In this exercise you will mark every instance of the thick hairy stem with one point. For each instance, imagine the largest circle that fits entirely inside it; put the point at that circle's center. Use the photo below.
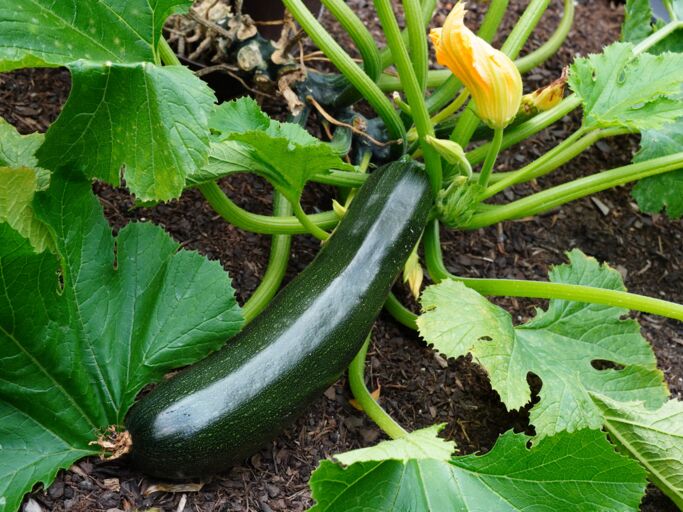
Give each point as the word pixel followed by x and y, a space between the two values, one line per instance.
pixel 543 289
pixel 277 265
pixel 362 395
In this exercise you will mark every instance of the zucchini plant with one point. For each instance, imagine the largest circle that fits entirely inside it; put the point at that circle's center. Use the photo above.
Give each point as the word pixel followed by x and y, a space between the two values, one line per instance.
pixel 87 319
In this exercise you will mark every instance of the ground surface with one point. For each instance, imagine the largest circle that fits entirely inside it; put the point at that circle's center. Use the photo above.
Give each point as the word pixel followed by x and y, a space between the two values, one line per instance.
pixel 417 388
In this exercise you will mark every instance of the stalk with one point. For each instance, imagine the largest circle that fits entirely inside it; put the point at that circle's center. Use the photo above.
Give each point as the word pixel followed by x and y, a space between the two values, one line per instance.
pixel 310 226
pixel 582 187
pixel 427 8
pixel 400 313
pixel 277 265
pixel 365 399
pixel 263 224
pixel 543 289
pixel 345 64
pixel 559 155
pixel 550 47
pixel 414 93
pixel 528 128
pixel 363 41
pixel 491 157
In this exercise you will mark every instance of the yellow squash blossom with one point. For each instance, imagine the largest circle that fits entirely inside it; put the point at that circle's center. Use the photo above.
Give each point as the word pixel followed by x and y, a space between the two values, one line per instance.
pixel 491 77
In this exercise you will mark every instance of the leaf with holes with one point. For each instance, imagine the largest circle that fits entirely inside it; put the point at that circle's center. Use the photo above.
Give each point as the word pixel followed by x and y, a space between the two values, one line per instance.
pixel 652 437
pixel 124 111
pixel 637 93
pixel 130 308
pixel 153 121
pixel 568 472
pixel 560 345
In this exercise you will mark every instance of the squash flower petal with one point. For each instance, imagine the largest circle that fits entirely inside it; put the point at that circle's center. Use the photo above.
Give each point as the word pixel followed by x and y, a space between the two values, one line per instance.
pixel 491 76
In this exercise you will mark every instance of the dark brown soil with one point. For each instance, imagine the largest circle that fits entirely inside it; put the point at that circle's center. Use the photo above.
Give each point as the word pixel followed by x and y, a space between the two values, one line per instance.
pixel 418 388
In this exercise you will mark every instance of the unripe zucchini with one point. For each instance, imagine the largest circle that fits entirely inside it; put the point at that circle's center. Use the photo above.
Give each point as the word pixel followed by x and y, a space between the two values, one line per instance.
pixel 226 407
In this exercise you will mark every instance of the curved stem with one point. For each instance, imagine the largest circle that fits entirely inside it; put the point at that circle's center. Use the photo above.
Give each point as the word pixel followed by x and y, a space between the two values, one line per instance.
pixel 427 9
pixel 491 157
pixel 345 64
pixel 277 265
pixel 310 226
pixel 438 77
pixel 544 289
pixel 556 196
pixel 489 26
pixel 363 41
pixel 263 224
pixel 528 128
pixel 414 93
pixel 556 157
pixel 550 47
pixel 400 313
pixel 362 395
pixel 359 34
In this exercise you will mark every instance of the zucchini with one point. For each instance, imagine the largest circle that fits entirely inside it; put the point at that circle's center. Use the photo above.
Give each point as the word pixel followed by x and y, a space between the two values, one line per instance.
pixel 223 409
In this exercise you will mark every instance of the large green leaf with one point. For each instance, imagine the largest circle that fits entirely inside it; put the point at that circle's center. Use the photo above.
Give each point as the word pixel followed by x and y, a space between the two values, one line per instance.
pixel 654 438
pixel 153 121
pixel 283 153
pixel 568 472
pixel 559 345
pixel 38 33
pixel 665 191
pixel 78 342
pixel 124 111
pixel 620 90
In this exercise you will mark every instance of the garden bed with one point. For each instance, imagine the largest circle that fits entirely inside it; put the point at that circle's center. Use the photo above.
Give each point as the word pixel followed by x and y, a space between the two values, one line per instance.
pixel 417 387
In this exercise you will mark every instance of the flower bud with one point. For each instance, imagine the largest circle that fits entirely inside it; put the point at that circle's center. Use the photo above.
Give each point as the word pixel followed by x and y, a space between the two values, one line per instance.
pixel 491 76
pixel 544 98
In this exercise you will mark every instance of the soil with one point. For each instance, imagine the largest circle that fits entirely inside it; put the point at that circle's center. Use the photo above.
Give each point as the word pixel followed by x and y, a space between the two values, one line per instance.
pixel 417 388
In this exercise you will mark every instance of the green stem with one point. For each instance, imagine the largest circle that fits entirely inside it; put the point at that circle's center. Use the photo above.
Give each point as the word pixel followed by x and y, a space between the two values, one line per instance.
pixel 359 34
pixel 341 179
pixel 656 37
pixel 364 42
pixel 346 65
pixel 541 289
pixel 277 265
pixel 167 54
pixel 427 9
pixel 556 157
pixel 414 93
pixel 491 157
pixel 400 313
pixel 310 226
pixel 553 44
pixel 492 20
pixel 527 129
pixel 362 395
pixel 557 196
pixel 263 224
pixel 438 77
pixel 439 117
pixel 417 39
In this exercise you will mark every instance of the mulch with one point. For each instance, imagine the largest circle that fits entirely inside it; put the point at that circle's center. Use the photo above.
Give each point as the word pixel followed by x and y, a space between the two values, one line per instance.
pixel 418 387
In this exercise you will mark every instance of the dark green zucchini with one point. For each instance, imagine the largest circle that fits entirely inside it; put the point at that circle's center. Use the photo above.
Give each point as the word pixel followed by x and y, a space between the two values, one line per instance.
pixel 224 408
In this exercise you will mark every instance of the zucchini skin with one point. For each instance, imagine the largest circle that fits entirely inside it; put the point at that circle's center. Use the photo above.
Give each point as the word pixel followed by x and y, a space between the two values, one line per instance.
pixel 226 407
